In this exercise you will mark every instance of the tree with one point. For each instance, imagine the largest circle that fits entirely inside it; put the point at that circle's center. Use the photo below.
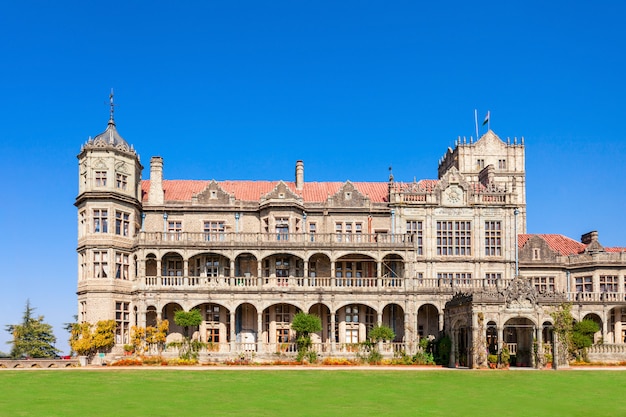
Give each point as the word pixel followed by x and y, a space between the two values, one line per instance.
pixel 380 333
pixel 186 320
pixel 563 329
pixel 304 324
pixel 582 333
pixel 33 337
pixel 87 339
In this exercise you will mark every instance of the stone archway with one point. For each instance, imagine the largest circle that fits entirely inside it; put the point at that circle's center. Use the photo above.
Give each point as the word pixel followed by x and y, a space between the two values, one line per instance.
pixel 518 335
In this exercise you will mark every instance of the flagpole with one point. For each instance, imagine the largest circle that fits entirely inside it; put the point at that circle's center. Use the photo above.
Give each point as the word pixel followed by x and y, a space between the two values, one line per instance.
pixel 489 122
pixel 476 121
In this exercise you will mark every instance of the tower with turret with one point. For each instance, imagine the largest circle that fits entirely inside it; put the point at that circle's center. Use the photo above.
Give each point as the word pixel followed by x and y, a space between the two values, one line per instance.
pixel 109 216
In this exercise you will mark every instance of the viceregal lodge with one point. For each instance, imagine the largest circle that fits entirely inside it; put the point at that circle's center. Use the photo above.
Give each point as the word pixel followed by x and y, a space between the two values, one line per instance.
pixel 446 256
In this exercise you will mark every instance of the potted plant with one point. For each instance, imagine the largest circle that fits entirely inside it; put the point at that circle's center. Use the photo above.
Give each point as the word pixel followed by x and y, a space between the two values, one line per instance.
pixel 492 359
pixel 129 350
pixel 548 360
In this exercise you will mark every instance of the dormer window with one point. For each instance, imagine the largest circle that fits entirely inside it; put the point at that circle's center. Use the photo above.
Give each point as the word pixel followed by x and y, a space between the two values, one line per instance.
pixel 281 195
pixel 213 194
pixel 348 195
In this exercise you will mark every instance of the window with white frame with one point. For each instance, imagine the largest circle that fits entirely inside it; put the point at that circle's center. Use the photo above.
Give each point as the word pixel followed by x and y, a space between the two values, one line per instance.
pixel 100 221
pixel 121 181
pixel 282 270
pixel 100 178
pixel 312 231
pixel 282 228
pixel 584 284
pixel 352 314
pixel 213 323
pixel 175 229
pixel 608 283
pixel 82 223
pixel 454 238
pixel 122 223
pixel 84 267
pixel 358 232
pixel 458 278
pixel 121 265
pixel 82 311
pixel 282 314
pixel 100 264
pixel 543 284
pixel 214 230
pixel 212 266
pixel 501 163
pixel 122 321
pixel 339 231
pixel 352 335
pixel 493 238
pixel 492 277
pixel 415 231
pixel 173 267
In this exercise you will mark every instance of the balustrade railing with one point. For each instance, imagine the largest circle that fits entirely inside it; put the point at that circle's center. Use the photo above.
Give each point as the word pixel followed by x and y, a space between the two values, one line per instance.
pixel 595 297
pixel 314 283
pixel 281 239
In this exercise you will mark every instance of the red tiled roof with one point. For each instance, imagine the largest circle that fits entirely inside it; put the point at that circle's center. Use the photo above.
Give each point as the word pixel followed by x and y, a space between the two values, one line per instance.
pixel 183 190
pixel 615 249
pixel 559 243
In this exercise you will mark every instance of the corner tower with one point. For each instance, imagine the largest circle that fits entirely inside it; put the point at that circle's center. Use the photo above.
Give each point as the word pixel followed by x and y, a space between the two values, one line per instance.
pixel 109 214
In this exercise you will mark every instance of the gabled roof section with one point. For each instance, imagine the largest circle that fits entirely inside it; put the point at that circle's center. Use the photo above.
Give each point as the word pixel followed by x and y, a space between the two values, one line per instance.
pixel 558 243
pixel 281 191
pixel 312 192
pixel 349 195
pixel 213 193
pixel 489 139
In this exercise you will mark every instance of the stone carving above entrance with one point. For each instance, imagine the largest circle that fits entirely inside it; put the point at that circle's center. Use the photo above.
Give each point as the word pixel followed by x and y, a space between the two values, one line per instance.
pixel 520 294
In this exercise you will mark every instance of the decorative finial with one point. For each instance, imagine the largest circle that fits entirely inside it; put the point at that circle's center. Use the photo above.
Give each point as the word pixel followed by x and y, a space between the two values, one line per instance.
pixel 390 173
pixel 111 119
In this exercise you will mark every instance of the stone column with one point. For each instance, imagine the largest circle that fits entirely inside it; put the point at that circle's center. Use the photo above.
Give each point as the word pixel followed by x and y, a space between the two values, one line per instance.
pixel 440 322
pixel 233 325
pixel 332 331
pixel 305 273
pixel 186 271
pixel 259 332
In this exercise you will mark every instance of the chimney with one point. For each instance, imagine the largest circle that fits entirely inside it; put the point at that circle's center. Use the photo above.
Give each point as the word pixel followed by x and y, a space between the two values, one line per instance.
pixel 587 238
pixel 299 175
pixel 155 195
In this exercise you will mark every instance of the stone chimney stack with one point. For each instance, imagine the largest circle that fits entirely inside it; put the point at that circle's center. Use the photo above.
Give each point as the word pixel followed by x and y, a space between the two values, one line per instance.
pixel 299 175
pixel 155 195
pixel 587 238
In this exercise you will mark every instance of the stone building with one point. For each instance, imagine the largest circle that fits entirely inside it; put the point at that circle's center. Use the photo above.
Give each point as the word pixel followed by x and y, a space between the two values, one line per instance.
pixel 250 254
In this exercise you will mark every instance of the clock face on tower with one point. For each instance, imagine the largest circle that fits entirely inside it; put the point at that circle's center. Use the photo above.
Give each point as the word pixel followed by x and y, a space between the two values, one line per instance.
pixel 454 195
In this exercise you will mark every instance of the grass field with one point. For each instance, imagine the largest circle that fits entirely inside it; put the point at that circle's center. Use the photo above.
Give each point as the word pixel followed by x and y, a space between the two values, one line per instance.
pixel 177 393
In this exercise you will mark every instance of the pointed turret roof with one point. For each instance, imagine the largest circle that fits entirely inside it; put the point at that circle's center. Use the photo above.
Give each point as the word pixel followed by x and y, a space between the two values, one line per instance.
pixel 110 136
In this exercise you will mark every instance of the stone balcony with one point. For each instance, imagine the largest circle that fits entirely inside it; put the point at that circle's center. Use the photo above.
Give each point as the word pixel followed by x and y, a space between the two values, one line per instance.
pixel 276 240
pixel 316 284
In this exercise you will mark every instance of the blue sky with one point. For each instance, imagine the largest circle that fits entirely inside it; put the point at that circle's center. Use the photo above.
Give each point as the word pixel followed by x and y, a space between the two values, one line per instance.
pixel 243 89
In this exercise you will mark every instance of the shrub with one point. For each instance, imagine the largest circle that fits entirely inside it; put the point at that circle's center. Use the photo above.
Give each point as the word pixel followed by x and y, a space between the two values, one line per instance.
pixel 127 362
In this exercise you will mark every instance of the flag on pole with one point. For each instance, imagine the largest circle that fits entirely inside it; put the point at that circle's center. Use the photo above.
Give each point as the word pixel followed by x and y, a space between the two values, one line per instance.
pixel 486 119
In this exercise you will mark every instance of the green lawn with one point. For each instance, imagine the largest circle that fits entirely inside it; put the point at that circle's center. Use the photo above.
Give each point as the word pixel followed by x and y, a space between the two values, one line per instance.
pixel 175 393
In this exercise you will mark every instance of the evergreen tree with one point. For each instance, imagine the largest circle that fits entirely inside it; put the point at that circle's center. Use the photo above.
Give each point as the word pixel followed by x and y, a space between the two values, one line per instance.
pixel 32 338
